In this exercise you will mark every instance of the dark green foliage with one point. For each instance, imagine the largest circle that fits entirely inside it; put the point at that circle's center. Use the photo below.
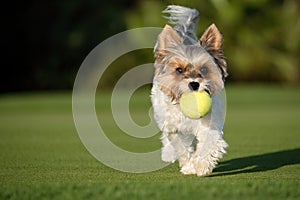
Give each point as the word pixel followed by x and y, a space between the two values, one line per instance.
pixel 45 42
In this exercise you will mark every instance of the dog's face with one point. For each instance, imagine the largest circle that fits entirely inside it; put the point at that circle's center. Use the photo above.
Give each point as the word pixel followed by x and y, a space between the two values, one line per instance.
pixel 181 68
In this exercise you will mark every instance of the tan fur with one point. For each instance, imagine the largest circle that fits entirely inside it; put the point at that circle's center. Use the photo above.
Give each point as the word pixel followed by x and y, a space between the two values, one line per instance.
pixel 171 53
pixel 196 144
pixel 212 41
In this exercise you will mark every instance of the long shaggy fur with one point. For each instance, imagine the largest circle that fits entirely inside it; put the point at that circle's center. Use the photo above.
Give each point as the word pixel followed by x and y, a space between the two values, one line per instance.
pixel 180 58
pixel 185 21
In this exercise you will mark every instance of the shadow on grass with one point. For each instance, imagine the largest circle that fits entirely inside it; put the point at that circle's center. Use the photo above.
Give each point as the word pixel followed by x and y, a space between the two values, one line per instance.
pixel 258 163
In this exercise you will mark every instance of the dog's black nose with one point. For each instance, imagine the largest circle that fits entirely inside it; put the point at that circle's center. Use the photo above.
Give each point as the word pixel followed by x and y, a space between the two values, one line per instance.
pixel 194 86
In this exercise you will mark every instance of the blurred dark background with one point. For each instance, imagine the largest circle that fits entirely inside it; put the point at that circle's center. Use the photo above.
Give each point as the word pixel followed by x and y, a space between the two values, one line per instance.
pixel 44 42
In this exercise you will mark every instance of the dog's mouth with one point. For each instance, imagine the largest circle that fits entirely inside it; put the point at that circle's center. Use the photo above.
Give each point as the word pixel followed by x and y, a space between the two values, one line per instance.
pixel 207 91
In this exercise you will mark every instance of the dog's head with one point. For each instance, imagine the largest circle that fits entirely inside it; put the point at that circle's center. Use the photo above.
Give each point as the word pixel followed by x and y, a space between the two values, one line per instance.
pixel 181 68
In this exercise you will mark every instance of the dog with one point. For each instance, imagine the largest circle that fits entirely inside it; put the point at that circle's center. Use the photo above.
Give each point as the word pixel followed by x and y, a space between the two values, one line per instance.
pixel 184 63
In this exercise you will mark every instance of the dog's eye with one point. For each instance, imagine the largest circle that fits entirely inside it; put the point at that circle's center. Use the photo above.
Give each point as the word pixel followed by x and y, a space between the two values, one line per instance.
pixel 204 70
pixel 179 70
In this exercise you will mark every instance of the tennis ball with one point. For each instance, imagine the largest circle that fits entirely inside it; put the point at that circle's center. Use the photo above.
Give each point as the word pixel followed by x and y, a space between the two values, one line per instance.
pixel 195 104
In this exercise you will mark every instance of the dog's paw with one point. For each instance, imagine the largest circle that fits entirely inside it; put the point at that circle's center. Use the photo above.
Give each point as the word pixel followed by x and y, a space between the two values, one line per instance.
pixel 198 167
pixel 188 169
pixel 203 167
pixel 168 153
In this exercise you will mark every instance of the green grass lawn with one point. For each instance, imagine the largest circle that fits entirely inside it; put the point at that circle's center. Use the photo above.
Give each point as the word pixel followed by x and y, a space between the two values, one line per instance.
pixel 41 156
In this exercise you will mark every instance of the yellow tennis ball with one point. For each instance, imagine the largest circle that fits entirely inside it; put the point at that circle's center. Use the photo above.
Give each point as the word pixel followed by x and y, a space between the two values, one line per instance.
pixel 195 104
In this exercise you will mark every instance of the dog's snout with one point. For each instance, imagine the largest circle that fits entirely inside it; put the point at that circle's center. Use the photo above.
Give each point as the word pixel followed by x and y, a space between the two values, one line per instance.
pixel 194 86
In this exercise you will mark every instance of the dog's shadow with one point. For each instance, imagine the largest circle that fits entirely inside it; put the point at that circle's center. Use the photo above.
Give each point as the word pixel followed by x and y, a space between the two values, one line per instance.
pixel 258 163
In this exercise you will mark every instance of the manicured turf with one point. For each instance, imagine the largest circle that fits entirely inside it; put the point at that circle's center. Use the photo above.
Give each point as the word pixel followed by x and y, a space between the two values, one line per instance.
pixel 41 156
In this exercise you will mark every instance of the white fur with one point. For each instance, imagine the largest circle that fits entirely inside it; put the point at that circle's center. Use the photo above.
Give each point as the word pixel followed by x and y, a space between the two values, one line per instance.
pixel 196 144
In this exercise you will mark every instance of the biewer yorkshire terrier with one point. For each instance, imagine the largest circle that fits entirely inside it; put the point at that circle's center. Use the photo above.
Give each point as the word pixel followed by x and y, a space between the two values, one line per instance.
pixel 184 63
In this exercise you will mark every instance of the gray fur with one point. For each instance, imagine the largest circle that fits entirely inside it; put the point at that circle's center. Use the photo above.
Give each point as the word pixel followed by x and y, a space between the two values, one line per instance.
pixel 185 21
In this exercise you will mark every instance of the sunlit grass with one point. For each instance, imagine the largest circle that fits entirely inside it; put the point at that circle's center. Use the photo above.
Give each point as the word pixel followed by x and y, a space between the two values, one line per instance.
pixel 41 155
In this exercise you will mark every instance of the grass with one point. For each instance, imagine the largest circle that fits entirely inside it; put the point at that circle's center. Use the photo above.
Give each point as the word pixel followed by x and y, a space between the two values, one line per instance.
pixel 41 156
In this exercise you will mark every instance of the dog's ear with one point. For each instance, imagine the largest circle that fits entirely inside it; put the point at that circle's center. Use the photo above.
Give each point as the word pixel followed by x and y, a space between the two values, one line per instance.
pixel 212 42
pixel 167 39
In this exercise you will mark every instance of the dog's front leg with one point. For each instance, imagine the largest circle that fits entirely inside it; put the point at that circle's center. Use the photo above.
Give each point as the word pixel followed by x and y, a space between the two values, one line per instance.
pixel 210 148
pixel 168 152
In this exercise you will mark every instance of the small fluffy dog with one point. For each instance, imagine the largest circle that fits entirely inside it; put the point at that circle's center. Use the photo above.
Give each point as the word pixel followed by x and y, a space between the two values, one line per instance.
pixel 184 63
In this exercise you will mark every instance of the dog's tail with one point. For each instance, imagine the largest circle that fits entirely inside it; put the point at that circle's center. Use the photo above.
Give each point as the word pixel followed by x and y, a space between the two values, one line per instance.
pixel 185 21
